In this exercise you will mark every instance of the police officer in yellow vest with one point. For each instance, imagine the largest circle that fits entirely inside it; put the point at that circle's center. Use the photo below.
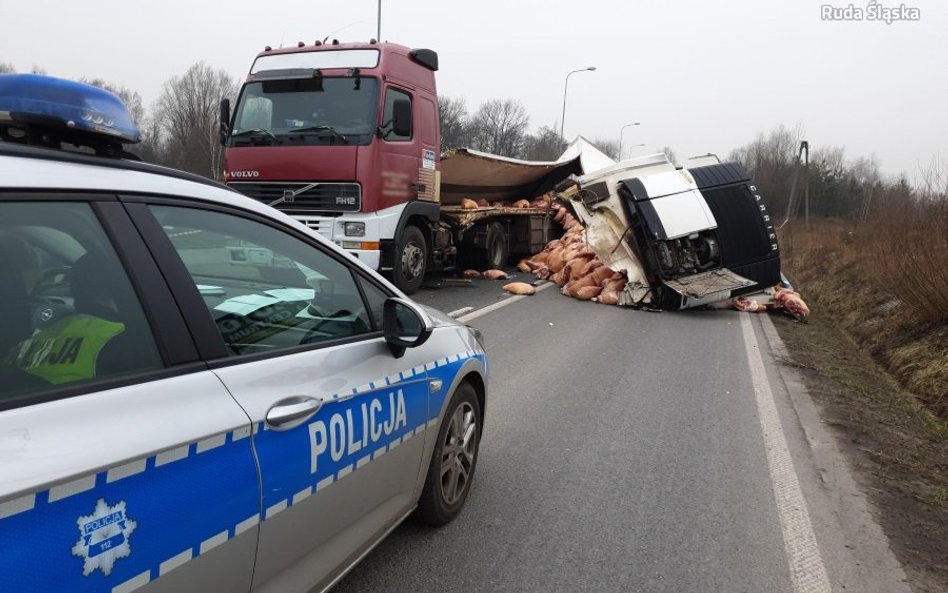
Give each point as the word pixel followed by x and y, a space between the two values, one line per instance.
pixel 76 347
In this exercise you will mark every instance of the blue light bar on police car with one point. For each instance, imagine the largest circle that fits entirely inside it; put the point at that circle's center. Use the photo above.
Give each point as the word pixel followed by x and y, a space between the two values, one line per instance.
pixel 31 98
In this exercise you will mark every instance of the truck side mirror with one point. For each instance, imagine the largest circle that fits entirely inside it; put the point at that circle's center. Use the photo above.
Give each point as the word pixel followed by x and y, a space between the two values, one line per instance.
pixel 225 120
pixel 401 117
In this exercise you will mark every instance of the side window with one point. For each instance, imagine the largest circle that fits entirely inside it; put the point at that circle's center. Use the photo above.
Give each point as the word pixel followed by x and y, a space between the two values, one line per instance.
pixel 388 112
pixel 266 289
pixel 69 313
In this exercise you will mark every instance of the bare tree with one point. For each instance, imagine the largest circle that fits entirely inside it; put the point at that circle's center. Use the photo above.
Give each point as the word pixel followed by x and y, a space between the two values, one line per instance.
pixel 7 68
pixel 454 122
pixel 670 154
pixel 609 147
pixel 131 99
pixel 38 69
pixel 187 113
pixel 500 127
pixel 772 161
pixel 152 148
pixel 545 145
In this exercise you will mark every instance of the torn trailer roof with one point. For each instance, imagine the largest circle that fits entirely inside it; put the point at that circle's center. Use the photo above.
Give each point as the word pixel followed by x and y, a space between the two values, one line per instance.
pixel 468 173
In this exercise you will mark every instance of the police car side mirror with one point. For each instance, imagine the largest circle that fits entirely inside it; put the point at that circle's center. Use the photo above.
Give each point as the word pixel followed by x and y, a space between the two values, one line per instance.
pixel 404 326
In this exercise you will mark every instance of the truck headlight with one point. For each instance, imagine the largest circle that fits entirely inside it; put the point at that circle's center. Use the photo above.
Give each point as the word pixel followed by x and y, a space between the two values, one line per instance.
pixel 354 229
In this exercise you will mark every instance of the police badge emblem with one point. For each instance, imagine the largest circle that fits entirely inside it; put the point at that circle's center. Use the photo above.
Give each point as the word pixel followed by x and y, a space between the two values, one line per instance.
pixel 103 537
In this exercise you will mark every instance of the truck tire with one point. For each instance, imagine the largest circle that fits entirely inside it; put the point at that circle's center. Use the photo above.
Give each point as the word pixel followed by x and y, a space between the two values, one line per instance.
pixel 494 254
pixel 411 258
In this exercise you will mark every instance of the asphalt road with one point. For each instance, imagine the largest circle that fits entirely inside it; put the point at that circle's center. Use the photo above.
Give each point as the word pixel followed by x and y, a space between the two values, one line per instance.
pixel 623 451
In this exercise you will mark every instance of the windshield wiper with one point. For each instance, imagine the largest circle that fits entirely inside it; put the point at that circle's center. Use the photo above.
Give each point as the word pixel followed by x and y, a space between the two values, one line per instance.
pixel 257 132
pixel 329 129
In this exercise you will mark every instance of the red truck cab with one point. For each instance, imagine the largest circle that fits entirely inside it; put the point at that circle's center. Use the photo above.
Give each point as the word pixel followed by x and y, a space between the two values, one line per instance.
pixel 344 137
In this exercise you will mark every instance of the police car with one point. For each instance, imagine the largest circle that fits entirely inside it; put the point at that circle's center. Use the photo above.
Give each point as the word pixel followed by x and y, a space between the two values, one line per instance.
pixel 198 393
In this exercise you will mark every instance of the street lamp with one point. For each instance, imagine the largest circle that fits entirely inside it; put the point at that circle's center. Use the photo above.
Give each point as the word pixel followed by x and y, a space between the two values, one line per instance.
pixel 621 130
pixel 565 87
pixel 630 149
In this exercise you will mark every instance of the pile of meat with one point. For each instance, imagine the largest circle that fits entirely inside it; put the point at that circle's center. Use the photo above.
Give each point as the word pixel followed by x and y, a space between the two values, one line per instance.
pixel 784 300
pixel 572 265
pixel 541 202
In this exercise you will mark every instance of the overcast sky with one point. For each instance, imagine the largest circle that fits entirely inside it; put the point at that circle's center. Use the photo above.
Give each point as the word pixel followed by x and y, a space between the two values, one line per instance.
pixel 699 76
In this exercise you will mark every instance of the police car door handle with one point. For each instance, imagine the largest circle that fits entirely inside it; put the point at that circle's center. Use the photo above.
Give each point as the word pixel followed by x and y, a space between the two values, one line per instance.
pixel 292 411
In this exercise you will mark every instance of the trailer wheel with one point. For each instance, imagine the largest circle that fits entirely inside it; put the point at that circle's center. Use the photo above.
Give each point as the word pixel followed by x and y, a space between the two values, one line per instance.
pixel 411 257
pixel 494 254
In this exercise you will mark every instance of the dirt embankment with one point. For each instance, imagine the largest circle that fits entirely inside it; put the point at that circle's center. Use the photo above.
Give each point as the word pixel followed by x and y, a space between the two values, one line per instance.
pixel 875 358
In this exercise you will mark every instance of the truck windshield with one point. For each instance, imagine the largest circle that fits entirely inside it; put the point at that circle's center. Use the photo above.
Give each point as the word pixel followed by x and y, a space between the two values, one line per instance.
pixel 319 110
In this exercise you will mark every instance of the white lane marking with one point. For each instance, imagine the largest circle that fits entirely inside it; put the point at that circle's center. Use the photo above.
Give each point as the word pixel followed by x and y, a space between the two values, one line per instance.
pixel 173 562
pixel 212 542
pixel 75 487
pixel 17 505
pixel 507 301
pixel 459 312
pixel 133 583
pixel 171 455
pixel 807 570
pixel 124 471
pixel 213 442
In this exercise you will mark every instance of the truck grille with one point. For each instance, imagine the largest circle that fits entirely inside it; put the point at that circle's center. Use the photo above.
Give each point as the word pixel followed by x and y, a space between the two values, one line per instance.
pixel 305 196
pixel 323 226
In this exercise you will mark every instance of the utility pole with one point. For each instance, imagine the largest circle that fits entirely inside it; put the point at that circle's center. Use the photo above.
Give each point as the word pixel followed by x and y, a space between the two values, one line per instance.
pixel 378 33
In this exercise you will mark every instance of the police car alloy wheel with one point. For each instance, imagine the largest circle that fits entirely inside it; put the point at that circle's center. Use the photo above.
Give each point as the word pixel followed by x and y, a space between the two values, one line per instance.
pixel 454 459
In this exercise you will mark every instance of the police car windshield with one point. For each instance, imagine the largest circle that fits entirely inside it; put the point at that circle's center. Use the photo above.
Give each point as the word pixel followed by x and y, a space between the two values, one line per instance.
pixel 323 110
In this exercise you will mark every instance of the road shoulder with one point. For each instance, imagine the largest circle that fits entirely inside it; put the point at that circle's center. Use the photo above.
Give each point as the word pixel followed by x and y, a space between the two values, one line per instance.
pixel 882 471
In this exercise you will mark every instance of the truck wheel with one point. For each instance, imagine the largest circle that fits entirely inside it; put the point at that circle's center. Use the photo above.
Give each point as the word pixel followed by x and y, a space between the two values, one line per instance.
pixel 453 460
pixel 411 257
pixel 494 254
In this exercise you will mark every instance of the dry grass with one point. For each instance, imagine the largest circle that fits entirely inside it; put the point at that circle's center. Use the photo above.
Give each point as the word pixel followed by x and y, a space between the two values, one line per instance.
pixel 885 282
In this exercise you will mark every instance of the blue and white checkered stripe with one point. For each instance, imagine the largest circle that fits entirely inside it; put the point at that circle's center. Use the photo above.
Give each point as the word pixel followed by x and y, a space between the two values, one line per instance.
pixel 167 494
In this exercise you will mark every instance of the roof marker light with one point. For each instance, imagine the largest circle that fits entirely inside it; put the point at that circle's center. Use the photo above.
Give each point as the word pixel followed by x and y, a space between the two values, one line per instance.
pixel 300 44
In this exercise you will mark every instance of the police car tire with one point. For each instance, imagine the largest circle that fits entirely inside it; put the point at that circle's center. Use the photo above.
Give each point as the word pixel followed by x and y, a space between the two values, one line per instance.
pixel 432 507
